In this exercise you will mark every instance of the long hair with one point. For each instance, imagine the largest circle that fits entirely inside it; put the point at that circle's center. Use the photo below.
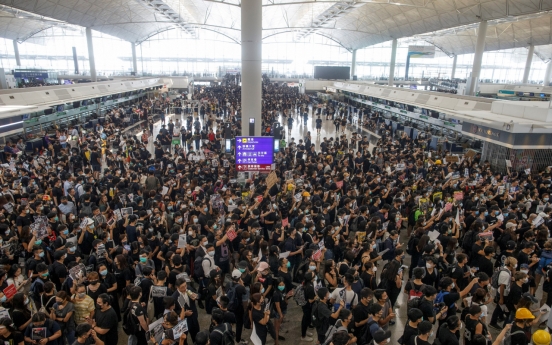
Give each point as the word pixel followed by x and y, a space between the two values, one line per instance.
pixel 391 271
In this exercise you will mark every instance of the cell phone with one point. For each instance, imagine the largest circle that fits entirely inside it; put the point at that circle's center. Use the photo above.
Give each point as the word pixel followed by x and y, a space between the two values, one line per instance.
pixel 111 221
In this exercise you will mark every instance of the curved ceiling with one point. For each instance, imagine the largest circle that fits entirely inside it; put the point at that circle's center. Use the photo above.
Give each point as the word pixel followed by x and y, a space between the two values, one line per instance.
pixel 353 23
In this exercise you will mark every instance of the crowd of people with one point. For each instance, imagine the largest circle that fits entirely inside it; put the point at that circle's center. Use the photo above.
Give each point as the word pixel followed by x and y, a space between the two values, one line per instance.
pixel 104 232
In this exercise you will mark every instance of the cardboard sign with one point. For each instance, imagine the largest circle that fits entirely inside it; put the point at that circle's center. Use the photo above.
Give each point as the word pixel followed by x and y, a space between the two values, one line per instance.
pixel 285 222
pixel 259 199
pixel 339 184
pixel 271 180
pixel 10 291
pixel 452 159
pixel 448 206
pixel 508 163
pixel 470 154
pixel 158 291
pixel 181 241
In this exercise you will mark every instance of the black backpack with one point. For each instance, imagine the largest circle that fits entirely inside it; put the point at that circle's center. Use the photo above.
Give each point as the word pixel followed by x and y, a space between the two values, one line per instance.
pixel 232 298
pixel 367 336
pixel 130 321
pixel 317 322
pixel 198 267
pixel 227 335
pixel 410 245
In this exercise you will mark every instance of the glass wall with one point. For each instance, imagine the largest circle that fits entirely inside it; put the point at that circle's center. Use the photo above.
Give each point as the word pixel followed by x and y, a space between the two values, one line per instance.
pixel 173 53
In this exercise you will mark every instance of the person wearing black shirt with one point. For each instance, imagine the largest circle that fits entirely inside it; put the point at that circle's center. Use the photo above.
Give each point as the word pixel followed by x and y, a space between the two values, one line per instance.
pixel 105 321
pixel 424 331
pixel 307 308
pixel 8 334
pixel 448 331
pixel 460 272
pixel 361 312
pixel 485 264
pixel 415 316
pixel 516 290
pixel 221 327
pixel 85 336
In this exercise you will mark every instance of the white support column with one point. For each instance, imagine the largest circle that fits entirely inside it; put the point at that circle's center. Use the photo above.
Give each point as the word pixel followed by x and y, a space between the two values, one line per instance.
pixel 453 73
pixel 528 62
pixel 548 73
pixel 16 51
pixel 478 58
pixel 392 64
pixel 134 63
pixel 91 59
pixel 251 64
pixel 353 64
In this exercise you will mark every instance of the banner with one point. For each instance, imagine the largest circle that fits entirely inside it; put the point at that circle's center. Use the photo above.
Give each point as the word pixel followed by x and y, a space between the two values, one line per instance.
pixel 426 52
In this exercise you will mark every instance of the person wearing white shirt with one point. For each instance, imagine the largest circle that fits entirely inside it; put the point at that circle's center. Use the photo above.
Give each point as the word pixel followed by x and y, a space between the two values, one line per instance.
pixel 209 264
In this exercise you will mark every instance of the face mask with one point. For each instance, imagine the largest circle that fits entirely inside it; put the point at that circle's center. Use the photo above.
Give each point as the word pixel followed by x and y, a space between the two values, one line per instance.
pixel 242 270
pixel 7 232
pixel 288 265
pixel 453 285
pixel 26 301
pixel 374 246
pixel 545 199
pixel 497 213
pixel 374 269
pixel 143 260
pixel 526 280
pixel 73 249
pixel 206 209
pixel 195 220
pixel 56 219
pixel 81 295
pixel 429 266
pixel 27 211
pixel 477 212
pixel 211 254
pixel 486 213
pixel 312 268
pixel 524 271
pixel 66 232
pixel 41 254
pixel 263 290
pixel 190 233
pixel 281 288
pixel 103 272
pixel 505 214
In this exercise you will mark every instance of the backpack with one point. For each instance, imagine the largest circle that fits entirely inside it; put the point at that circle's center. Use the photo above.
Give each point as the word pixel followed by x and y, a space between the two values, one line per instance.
pixel 496 274
pixel 317 322
pixel 33 290
pixel 410 245
pixel 232 298
pixel 367 336
pixel 87 209
pixel 227 336
pixel 414 303
pixel 469 240
pixel 354 224
pixel 508 337
pixel 299 296
pixel 413 293
pixel 198 267
pixel 130 321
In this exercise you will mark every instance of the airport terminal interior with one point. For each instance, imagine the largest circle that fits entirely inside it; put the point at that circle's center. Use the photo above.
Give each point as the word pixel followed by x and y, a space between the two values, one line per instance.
pixel 275 172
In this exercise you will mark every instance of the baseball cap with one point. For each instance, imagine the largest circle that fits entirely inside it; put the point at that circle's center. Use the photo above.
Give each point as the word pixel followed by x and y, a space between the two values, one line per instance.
pixel 236 274
pixel 527 295
pixel 262 266
pixel 510 245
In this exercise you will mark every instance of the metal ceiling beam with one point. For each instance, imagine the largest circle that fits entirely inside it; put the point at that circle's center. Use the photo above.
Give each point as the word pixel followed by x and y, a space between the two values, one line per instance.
pixel 161 8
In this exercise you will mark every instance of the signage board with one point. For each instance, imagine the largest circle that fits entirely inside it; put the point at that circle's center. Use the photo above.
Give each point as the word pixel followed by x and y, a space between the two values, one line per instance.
pixel 254 153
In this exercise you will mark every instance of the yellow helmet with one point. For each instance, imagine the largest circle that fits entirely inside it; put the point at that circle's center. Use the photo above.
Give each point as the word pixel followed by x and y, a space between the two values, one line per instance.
pixel 541 337
pixel 524 314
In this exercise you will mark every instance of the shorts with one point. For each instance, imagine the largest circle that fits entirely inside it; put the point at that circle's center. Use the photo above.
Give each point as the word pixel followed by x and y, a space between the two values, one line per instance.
pixel 96 168
pixel 276 315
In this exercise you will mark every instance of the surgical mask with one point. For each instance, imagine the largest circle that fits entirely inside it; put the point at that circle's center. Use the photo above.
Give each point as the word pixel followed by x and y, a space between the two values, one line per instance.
pixel 72 249
pixel 526 280
pixel 242 270
pixel 190 233
pixel 3 299
pixel 143 260
pixel 41 254
pixel 212 253
pixel 195 220
pixel 505 214
pixel 281 288
pixel 374 246
pixel 56 219
pixel 66 232
pixel 497 213
pixel 312 268
pixel 453 285
pixel 374 269
pixel 524 271
pixel 288 265
pixel 263 290
pixel 206 209
pixel 486 213
pixel 81 295
pixel 429 266
pixel 103 272
pixel 545 199
pixel 7 232
pixel 26 301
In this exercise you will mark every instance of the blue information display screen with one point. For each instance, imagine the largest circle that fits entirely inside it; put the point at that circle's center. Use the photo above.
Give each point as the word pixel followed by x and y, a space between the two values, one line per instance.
pixel 254 153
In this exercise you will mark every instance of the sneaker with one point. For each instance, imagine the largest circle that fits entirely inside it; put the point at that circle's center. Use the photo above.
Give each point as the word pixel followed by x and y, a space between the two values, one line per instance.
pixel 306 339
pixel 495 326
pixel 309 334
